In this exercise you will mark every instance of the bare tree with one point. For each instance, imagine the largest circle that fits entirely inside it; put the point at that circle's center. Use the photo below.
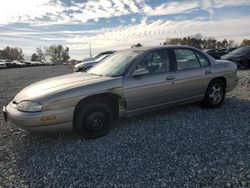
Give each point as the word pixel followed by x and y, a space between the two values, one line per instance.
pixel 232 44
pixel 245 42
pixel 173 41
pixel 34 57
pixel 12 53
pixel 41 54
pixel 57 53
pixel 198 41
pixel 65 54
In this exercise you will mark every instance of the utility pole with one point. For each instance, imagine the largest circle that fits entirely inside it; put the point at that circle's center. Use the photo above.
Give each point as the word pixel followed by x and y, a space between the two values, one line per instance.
pixel 90 52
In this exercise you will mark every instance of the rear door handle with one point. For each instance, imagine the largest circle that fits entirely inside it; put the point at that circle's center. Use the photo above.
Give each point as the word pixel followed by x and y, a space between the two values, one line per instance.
pixel 170 78
pixel 208 72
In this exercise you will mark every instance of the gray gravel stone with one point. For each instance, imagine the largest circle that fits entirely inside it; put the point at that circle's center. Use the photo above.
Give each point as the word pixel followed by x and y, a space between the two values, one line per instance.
pixel 186 146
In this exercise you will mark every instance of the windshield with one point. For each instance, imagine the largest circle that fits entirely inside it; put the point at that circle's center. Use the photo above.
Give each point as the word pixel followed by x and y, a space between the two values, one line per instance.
pixel 116 64
pixel 241 50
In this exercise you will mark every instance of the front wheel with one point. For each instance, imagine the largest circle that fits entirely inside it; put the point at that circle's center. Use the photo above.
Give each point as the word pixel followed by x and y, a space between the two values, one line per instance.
pixel 93 120
pixel 215 94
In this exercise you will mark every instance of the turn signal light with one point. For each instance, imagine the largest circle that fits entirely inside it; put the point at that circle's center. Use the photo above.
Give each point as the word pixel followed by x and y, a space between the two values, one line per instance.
pixel 48 118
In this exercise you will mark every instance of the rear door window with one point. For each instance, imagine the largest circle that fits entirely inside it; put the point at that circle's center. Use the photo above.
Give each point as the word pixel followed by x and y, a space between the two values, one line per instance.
pixel 186 59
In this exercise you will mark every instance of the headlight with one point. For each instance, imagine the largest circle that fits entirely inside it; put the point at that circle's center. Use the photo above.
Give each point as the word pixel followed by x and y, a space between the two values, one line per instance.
pixel 29 106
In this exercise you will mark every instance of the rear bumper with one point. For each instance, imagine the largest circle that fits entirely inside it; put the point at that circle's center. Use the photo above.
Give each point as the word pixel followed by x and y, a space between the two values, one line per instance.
pixel 232 83
pixel 63 119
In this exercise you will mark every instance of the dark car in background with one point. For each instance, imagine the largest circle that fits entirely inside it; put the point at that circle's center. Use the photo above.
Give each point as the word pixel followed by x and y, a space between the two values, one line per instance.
pixel 229 50
pixel 240 56
pixel 216 53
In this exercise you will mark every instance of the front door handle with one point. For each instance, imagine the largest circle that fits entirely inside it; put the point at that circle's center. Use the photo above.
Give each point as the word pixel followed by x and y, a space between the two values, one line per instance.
pixel 170 78
pixel 208 72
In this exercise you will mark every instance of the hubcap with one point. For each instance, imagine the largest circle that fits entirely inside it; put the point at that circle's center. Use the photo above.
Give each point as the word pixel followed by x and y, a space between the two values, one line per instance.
pixel 95 120
pixel 215 94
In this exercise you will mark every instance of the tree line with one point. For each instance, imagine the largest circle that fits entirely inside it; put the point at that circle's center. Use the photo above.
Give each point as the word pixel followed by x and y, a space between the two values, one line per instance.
pixel 12 53
pixel 58 53
pixel 54 53
pixel 200 42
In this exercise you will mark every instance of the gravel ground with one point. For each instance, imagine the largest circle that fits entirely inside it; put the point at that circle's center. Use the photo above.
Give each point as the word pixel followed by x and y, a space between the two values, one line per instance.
pixel 186 146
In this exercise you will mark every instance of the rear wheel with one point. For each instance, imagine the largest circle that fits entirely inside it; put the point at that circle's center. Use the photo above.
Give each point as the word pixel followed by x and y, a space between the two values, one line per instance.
pixel 215 94
pixel 93 119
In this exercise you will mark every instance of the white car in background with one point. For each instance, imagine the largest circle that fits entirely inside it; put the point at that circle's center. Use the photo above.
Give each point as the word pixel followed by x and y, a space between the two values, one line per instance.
pixel 17 63
pixel 80 67
pixel 98 55
pixel 3 64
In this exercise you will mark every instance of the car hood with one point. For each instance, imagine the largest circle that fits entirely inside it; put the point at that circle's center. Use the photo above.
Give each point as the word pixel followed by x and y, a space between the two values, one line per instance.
pixel 56 84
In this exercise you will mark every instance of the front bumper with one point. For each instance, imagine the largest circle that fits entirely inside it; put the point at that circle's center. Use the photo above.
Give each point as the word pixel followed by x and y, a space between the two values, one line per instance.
pixel 34 121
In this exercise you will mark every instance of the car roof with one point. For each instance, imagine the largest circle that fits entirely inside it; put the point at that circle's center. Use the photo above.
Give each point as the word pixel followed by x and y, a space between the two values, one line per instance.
pixel 151 48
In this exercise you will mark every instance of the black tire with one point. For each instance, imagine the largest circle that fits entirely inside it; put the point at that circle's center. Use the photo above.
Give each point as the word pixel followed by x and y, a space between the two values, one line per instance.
pixel 93 119
pixel 215 94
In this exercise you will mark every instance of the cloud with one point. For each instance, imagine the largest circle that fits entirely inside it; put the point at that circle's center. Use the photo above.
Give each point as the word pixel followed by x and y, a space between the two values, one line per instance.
pixel 92 10
pixel 223 3
pixel 49 12
pixel 156 32
pixel 81 23
pixel 180 7
pixel 54 12
pixel 15 11
pixel 210 5
pixel 146 32
pixel 173 7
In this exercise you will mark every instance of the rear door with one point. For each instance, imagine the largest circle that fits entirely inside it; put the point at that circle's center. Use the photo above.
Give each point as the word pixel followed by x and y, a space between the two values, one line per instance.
pixel 152 88
pixel 193 73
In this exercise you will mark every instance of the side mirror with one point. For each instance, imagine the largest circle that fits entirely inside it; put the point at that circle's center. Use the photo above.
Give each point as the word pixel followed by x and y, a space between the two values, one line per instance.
pixel 140 72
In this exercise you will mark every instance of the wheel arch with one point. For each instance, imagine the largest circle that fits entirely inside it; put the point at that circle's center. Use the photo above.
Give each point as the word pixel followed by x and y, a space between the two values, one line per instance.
pixel 220 78
pixel 115 101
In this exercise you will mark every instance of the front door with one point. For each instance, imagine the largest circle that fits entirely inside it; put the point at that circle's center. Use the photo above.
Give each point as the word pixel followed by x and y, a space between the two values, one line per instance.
pixel 154 86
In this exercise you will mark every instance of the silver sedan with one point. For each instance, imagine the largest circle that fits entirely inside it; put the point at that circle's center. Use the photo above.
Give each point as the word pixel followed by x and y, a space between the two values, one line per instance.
pixel 128 83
